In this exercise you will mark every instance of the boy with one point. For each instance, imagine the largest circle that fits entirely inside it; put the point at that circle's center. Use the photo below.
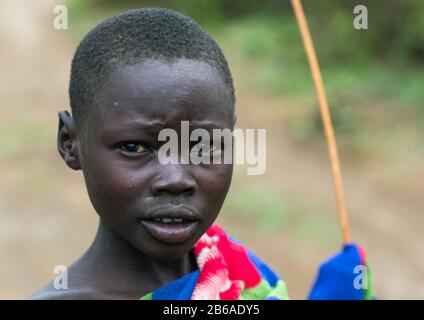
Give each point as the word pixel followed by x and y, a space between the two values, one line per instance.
pixel 132 76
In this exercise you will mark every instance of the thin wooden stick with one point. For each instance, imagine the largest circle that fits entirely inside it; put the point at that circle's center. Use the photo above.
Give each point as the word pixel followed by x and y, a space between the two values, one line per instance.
pixel 326 118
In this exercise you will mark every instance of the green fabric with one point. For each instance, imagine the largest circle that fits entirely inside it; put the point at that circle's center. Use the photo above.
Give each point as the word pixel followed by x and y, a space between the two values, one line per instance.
pixel 148 296
pixel 369 293
pixel 263 289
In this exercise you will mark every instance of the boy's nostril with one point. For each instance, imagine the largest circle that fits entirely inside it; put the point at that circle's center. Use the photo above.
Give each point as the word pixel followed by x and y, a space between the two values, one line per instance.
pixel 189 191
pixel 174 188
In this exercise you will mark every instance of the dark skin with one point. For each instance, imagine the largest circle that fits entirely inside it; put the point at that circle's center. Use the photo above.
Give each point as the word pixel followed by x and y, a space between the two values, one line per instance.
pixel 116 147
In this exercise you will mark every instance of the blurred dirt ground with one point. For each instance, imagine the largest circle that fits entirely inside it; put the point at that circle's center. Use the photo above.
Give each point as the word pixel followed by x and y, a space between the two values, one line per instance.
pixel 46 218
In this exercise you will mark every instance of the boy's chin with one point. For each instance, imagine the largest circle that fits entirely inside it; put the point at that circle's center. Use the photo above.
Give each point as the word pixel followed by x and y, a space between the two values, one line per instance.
pixel 166 251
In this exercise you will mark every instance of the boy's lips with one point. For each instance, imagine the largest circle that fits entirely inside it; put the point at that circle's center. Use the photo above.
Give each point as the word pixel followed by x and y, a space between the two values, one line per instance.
pixel 170 232
pixel 171 224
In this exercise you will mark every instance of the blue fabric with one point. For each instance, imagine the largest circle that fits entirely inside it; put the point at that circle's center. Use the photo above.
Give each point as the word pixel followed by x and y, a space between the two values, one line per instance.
pixel 335 280
pixel 180 289
pixel 266 272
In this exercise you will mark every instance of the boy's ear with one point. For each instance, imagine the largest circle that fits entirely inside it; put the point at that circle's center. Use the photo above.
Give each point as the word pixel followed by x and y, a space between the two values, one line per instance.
pixel 67 142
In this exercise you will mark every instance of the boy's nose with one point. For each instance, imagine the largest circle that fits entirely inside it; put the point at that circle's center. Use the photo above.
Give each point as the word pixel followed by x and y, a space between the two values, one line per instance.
pixel 174 180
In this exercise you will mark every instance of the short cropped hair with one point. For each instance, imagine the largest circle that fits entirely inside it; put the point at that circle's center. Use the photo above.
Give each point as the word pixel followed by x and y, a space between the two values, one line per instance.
pixel 132 37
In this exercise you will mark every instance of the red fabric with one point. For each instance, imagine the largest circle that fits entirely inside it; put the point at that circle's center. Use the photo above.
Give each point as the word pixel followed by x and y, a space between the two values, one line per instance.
pixel 225 268
pixel 362 255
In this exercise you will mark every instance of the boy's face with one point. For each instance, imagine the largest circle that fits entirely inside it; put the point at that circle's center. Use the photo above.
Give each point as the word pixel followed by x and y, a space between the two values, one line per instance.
pixel 128 186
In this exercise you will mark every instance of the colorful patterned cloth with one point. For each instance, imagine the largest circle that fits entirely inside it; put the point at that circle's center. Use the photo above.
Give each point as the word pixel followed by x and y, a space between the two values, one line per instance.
pixel 227 271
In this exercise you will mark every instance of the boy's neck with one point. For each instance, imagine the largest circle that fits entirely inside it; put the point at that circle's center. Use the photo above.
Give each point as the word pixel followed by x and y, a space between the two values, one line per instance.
pixel 120 267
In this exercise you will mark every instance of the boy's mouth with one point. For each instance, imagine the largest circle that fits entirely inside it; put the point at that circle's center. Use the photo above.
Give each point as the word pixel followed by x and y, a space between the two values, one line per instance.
pixel 171 224
pixel 170 220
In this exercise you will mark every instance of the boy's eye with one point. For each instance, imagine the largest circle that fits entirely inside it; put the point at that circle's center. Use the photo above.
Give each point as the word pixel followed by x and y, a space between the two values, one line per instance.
pixel 133 147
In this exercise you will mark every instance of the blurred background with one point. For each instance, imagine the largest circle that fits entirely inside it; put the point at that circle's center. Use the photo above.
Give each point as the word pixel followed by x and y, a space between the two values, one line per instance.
pixel 374 80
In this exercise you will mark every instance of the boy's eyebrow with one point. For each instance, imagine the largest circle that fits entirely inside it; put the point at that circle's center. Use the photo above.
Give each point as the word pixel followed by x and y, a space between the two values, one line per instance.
pixel 158 124
pixel 148 127
pixel 133 124
pixel 142 124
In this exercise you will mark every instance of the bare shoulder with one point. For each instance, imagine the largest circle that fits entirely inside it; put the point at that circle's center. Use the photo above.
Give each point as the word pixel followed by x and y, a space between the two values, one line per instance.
pixel 78 287
pixel 50 293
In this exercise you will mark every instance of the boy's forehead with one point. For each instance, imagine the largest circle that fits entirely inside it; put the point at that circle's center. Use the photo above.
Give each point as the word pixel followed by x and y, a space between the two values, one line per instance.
pixel 159 91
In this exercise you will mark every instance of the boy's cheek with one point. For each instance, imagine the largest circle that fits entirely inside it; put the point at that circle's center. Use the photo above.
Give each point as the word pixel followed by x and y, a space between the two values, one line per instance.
pixel 215 182
pixel 217 178
pixel 108 189
pixel 112 189
pixel 104 170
